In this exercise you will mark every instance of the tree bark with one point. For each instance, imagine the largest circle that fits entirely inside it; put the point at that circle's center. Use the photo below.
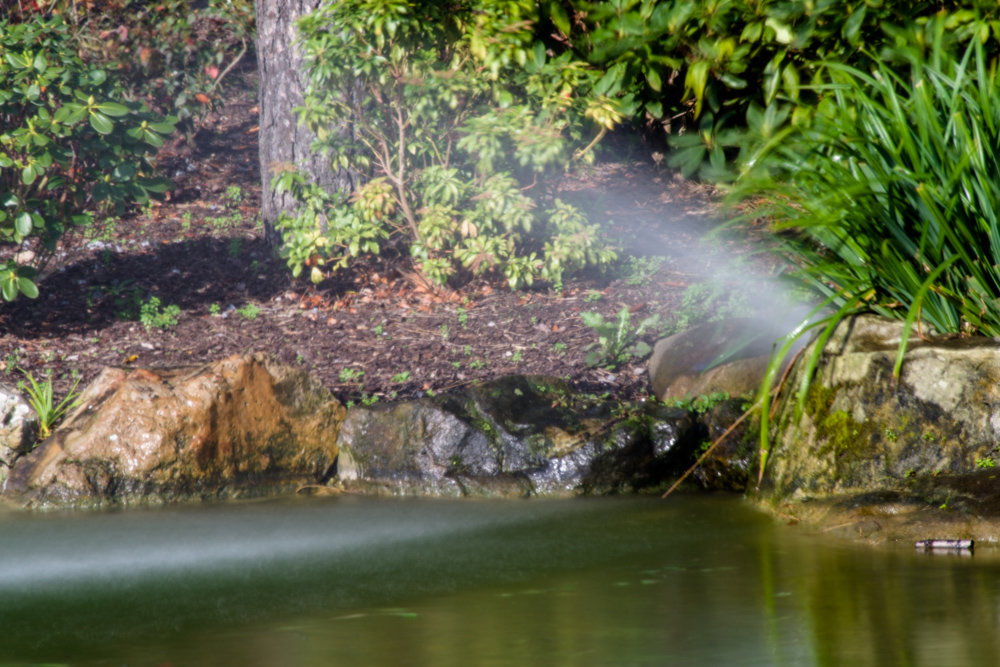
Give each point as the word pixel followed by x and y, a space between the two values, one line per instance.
pixel 283 142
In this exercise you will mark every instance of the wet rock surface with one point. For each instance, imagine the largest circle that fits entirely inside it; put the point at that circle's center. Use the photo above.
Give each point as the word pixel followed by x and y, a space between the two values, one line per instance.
pixel 18 428
pixel 515 436
pixel 241 426
pixel 892 459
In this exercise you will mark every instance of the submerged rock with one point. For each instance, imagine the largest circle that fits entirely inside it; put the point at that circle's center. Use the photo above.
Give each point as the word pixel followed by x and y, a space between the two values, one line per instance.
pixel 518 435
pixel 240 426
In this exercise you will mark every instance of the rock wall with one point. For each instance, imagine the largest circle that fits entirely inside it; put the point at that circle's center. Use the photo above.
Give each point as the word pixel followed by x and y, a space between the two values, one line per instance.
pixel 931 436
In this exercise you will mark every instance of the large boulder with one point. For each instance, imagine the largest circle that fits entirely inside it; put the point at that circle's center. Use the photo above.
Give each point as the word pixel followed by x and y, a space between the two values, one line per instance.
pixel 870 450
pixel 518 435
pixel 727 356
pixel 241 426
pixel 18 428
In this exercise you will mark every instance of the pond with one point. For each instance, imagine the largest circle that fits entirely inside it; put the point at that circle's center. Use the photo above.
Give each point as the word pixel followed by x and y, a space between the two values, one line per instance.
pixel 693 580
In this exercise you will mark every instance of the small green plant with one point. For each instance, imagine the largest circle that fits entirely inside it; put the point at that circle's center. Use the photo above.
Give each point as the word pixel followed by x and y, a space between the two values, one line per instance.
pixel 444 331
pixel 235 247
pixel 463 316
pixel 369 400
pixel 249 311
pixel 701 403
pixel 186 221
pixel 477 364
pixel 234 194
pixel 152 315
pixel 984 462
pixel 214 309
pixel 640 270
pixel 351 374
pixel 618 342
pixel 517 356
pixel 890 434
pixel 42 400
pixel 559 348
pixel 592 296
pixel 400 378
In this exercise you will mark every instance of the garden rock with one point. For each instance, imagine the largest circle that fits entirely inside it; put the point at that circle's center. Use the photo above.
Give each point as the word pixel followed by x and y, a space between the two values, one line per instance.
pixel 515 436
pixel 920 445
pixel 727 356
pixel 238 427
pixel 18 428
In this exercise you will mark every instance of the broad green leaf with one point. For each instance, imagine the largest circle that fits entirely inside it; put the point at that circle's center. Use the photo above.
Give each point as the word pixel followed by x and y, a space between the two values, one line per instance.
pixel 112 109
pixel 27 287
pixel 559 18
pixel 101 123
pixel 9 286
pixel 29 174
pixel 23 223
pixel 653 77
pixel 40 63
pixel 782 33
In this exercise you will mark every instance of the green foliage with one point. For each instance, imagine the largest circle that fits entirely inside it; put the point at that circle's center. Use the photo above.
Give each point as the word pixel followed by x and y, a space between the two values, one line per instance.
pixel 172 54
pixel 41 398
pixel 711 300
pixel 457 118
pixel 618 341
pixel 249 311
pixel 152 315
pixel 888 199
pixel 67 143
pixel 701 403
pixel 706 70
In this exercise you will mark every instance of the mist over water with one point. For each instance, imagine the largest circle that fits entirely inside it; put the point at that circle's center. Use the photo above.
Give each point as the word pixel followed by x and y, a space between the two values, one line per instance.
pixel 77 549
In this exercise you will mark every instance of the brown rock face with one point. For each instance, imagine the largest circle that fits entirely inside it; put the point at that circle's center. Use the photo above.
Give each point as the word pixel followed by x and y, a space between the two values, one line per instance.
pixel 729 356
pixel 237 427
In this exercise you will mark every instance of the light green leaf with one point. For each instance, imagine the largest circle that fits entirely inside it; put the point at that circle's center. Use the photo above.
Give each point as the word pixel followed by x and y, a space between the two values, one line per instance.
pixel 22 223
pixel 101 123
pixel 27 287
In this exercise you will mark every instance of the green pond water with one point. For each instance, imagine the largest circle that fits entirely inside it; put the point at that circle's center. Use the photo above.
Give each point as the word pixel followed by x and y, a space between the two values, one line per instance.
pixel 693 580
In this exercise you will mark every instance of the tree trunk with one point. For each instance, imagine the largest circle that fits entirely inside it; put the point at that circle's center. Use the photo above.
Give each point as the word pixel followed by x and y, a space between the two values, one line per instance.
pixel 283 142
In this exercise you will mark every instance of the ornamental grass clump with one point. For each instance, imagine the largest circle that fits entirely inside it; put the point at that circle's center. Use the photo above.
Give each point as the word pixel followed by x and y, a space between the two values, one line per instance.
pixel 888 200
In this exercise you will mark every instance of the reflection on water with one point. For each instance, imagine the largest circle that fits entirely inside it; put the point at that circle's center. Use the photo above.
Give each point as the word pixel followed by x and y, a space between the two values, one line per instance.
pixel 688 581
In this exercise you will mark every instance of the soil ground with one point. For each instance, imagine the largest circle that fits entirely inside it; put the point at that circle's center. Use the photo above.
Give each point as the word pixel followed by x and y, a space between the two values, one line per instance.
pixel 368 333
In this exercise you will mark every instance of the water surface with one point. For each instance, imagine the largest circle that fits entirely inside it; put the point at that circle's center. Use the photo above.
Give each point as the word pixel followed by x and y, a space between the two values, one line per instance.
pixel 624 581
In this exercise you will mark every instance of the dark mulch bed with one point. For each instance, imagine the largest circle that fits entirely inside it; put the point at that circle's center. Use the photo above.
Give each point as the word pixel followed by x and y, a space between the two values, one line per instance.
pixel 368 333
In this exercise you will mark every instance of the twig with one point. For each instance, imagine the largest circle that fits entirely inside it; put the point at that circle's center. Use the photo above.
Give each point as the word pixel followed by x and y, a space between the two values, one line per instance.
pixel 708 451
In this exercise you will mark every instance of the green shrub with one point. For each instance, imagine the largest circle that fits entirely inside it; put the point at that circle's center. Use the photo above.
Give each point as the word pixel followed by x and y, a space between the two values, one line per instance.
pixel 889 200
pixel 67 144
pixel 457 119
pixel 695 68
pixel 171 54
